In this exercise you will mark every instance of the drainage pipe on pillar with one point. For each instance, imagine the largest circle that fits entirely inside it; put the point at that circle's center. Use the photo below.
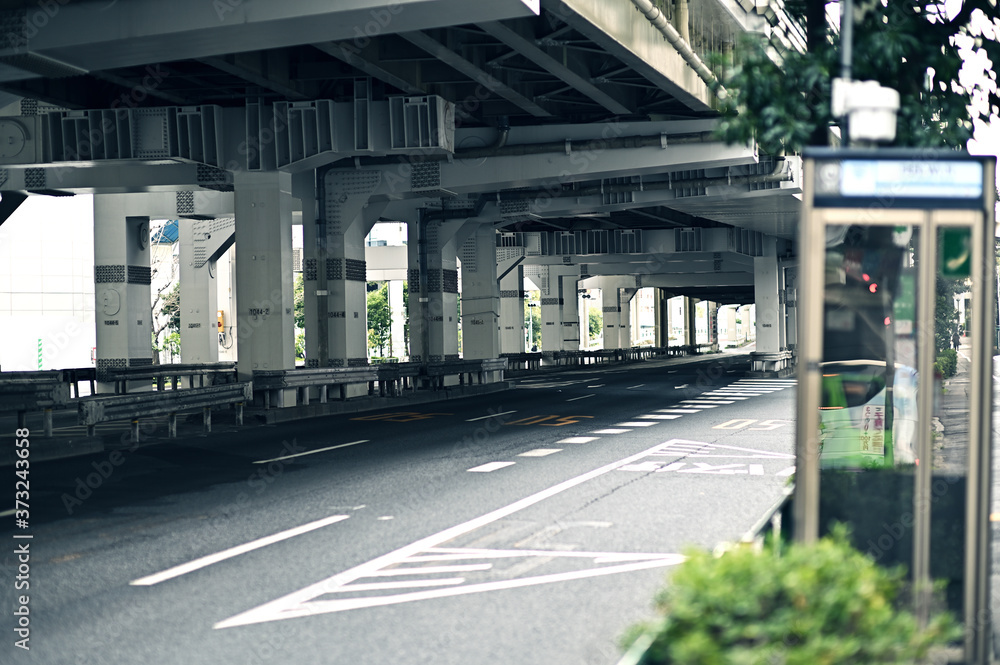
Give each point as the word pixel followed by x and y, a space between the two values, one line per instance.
pixel 660 22
pixel 681 19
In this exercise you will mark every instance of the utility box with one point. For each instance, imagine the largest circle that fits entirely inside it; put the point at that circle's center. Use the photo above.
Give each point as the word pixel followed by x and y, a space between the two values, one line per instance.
pixel 888 239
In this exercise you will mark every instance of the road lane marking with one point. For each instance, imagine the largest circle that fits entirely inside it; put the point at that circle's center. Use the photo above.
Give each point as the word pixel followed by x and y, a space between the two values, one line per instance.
pixel 540 452
pixel 303 602
pixel 579 439
pixel 636 423
pixel 678 410
pixel 701 404
pixel 703 449
pixel 660 416
pixel 204 561
pixel 490 466
pixel 611 430
pixel 636 386
pixel 599 385
pixel 786 472
pixel 310 452
pixel 713 400
pixel 583 397
pixel 756 469
pixel 492 415
pixel 427 570
pixel 402 584
pixel 7 513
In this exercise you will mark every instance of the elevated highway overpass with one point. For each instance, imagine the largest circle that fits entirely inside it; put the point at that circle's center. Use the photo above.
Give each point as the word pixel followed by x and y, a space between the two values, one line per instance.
pixel 570 141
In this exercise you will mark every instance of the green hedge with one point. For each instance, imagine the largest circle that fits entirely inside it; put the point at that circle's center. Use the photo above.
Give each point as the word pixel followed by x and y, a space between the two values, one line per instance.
pixel 947 363
pixel 824 603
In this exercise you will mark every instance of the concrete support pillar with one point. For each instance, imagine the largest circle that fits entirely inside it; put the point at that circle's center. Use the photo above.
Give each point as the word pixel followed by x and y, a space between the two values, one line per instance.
pixel 397 322
pixel 338 269
pixel 690 323
pixel 433 286
pixel 199 300
pixel 480 295
pixel 122 277
pixel 313 256
pixel 572 335
pixel 625 296
pixel 264 272
pixel 512 311
pixel 611 306
pixel 767 283
pixel 553 300
pixel 713 325
pixel 661 313
pixel 791 311
pixel 682 20
pixel 550 318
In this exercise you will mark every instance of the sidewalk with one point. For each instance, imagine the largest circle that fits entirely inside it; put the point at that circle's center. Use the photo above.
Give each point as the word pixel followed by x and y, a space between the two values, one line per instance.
pixel 951 425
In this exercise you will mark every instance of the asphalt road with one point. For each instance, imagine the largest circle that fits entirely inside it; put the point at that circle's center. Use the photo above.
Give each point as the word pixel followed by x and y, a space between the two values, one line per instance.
pixel 528 526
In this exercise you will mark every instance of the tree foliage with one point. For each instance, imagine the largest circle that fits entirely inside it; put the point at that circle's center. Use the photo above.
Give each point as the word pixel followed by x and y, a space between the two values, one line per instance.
pixel 907 45
pixel 379 319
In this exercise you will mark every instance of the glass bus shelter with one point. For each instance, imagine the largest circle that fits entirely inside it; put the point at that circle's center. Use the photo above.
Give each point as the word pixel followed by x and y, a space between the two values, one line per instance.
pixel 897 301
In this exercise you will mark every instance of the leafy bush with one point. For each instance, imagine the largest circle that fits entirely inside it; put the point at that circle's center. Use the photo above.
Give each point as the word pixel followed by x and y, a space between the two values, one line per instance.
pixel 824 603
pixel 947 363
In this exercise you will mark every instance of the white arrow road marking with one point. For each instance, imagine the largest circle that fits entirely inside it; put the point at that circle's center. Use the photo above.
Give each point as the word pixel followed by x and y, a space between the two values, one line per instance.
pixel 304 601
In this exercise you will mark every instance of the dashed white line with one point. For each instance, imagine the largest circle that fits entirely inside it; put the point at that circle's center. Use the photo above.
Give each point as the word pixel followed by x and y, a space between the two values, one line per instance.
pixel 578 439
pixel 661 416
pixel 492 415
pixel 637 386
pixel 636 423
pixel 540 452
pixel 678 410
pixel 701 404
pixel 610 430
pixel 191 566
pixel 582 397
pixel 490 466
pixel 310 452
pixel 599 385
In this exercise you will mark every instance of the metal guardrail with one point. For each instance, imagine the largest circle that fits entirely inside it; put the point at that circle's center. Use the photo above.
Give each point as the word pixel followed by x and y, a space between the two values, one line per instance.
pixel 474 369
pixel 33 391
pixel 75 375
pixel 94 410
pixel 615 355
pixel 268 382
pixel 223 372
pixel 389 379
pixel 528 361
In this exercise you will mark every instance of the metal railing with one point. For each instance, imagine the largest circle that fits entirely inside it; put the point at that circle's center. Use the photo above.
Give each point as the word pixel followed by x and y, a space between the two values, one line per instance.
pixel 33 391
pixel 386 379
pixel 173 375
pixel 94 410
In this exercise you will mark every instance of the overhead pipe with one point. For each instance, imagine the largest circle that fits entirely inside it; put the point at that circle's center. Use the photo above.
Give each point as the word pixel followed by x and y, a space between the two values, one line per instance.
pixel 779 174
pixel 501 149
pixel 660 22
